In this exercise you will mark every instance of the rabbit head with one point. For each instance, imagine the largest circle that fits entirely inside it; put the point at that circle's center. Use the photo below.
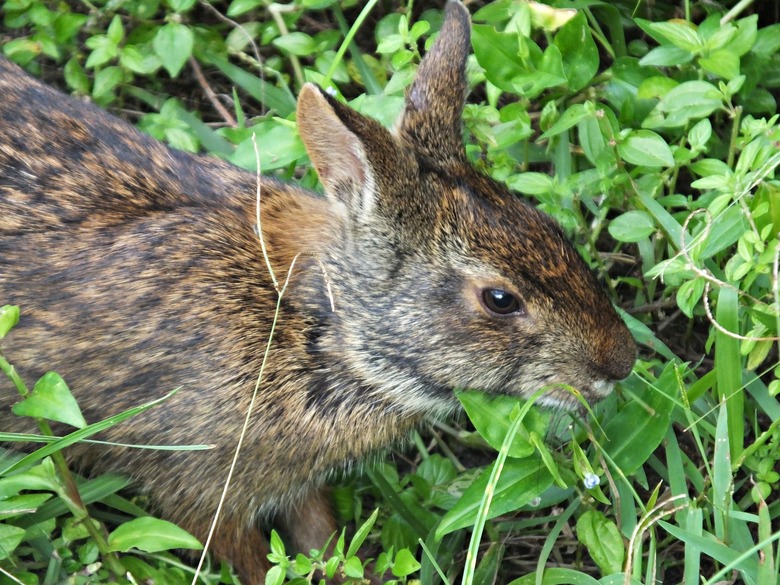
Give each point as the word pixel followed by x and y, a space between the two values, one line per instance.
pixel 496 296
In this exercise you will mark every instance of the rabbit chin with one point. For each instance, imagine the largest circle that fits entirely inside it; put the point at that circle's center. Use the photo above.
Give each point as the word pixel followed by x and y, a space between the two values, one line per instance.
pixel 567 397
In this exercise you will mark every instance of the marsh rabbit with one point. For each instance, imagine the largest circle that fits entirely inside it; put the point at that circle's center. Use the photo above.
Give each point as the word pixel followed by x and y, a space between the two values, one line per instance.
pixel 139 270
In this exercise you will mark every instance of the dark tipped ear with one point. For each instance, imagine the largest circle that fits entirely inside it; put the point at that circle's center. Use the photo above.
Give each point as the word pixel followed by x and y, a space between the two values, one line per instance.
pixel 434 105
pixel 330 132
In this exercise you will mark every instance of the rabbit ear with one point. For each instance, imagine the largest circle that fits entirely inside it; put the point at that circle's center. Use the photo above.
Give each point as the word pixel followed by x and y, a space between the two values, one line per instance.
pixel 434 104
pixel 342 146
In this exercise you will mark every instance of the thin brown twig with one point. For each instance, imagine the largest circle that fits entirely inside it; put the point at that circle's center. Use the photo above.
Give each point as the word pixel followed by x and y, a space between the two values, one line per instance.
pixel 216 104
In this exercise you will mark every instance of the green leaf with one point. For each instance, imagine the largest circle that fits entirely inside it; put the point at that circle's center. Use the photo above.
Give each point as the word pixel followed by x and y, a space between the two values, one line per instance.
pixel 278 145
pixel 680 35
pixel 689 294
pixel 151 535
pixel 635 431
pixel 632 226
pixel 521 481
pixel 173 44
pixel 405 564
pixel 239 7
pixel 138 60
pixel 105 81
pixel 42 477
pixel 689 100
pixel 722 63
pixel 361 534
pixel 115 32
pixel 498 54
pixel 531 183
pixel 666 57
pixel 51 399
pixel 579 52
pixel 181 5
pixel 602 538
pixel 296 43
pixel 278 100
pixel 492 417
pixel 571 117
pixel 728 366
pixel 353 568
pixel 700 134
pixel 10 537
pixel 75 76
pixel 9 317
pixel 556 576
pixel 646 148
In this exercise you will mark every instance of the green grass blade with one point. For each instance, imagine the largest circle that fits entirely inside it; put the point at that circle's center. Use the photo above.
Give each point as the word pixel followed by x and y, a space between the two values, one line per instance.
pixel 728 365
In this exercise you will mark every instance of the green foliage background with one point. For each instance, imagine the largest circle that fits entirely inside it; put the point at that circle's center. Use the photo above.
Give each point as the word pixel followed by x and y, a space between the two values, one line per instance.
pixel 650 131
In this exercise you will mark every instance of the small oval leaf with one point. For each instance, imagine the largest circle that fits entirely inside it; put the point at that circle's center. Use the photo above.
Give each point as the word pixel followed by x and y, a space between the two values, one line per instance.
pixel 151 535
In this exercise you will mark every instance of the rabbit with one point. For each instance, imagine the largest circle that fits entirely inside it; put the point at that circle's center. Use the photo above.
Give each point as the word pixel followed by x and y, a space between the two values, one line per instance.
pixel 140 269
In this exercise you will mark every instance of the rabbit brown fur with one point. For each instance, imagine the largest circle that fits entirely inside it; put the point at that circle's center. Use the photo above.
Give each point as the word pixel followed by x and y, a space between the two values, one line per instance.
pixel 139 270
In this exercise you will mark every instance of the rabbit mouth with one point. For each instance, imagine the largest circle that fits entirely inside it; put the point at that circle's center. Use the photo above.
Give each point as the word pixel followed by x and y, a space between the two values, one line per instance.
pixel 567 397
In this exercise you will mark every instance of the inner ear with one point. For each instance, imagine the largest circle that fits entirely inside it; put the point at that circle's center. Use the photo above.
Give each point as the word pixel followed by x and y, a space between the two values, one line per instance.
pixel 338 155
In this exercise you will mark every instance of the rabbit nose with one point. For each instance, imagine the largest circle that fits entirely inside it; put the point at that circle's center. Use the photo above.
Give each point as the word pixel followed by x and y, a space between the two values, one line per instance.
pixel 618 362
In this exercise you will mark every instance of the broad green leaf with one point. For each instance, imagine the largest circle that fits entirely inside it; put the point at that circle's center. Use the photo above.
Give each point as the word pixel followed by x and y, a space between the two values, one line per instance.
pixel 76 77
pixel 106 80
pixel 666 56
pixel 557 576
pixel 405 564
pixel 151 535
pixel 115 32
pixel 492 417
pixel 173 44
pixel 498 54
pixel 634 432
pixel 138 60
pixel 549 73
pixel 571 117
pixel 520 482
pixel 655 87
pixel 296 43
pixel 632 226
pixel 181 5
pixel 690 100
pixel 278 145
pixel 722 63
pixel 51 399
pixel 353 568
pixel 239 7
pixel 22 504
pixel 579 53
pixel 680 35
pixel 689 294
pixel 700 134
pixel 645 148
pixel 10 537
pixel 601 537
pixel 41 477
pixel 531 183
pixel 9 317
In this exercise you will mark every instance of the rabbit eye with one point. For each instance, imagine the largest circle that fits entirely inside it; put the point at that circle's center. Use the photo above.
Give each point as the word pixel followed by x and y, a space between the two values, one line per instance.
pixel 500 302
